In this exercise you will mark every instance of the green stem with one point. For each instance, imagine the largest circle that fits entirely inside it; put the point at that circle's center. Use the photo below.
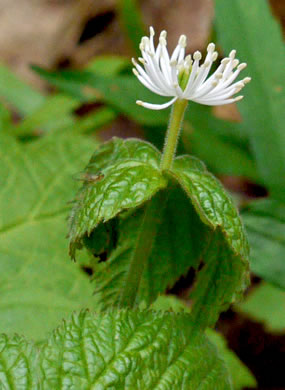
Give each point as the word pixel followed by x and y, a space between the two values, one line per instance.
pixel 173 131
pixel 142 250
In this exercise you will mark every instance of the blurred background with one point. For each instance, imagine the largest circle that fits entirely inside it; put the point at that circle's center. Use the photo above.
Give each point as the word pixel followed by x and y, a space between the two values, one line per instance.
pixel 65 73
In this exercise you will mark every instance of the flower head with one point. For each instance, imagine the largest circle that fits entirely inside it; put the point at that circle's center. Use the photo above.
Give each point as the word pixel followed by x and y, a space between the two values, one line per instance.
pixel 183 77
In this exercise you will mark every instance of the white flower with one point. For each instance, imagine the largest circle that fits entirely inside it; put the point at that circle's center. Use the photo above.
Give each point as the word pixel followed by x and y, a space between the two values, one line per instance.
pixel 163 74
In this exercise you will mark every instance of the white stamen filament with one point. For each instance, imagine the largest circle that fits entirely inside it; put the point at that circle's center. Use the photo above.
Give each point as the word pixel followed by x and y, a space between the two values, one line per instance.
pixel 160 73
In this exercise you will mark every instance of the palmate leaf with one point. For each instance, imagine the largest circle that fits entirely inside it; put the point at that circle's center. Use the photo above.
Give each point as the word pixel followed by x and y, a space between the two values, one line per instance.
pixel 225 274
pixel 116 350
pixel 164 230
pixel 240 375
pixel 18 364
pixel 175 248
pixel 38 283
pixel 121 175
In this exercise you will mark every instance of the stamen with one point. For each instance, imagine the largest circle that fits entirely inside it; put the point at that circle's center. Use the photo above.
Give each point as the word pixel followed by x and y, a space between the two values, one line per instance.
pixel 182 41
pixel 218 76
pixel 163 74
pixel 197 56
pixel 247 80
pixel 242 66
pixel 162 41
pixel 235 63
pixel 225 61
pixel 211 47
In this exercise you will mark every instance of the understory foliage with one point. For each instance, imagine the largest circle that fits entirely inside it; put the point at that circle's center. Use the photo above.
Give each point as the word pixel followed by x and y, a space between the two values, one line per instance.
pixel 135 227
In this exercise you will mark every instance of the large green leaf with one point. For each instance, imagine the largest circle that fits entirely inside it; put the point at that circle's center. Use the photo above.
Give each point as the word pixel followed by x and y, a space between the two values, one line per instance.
pixel 130 350
pixel 18 364
pixel 160 228
pixel 116 350
pixel 175 248
pixel 39 285
pixel 263 106
pixel 265 223
pixel 240 375
pixel 225 251
pixel 121 175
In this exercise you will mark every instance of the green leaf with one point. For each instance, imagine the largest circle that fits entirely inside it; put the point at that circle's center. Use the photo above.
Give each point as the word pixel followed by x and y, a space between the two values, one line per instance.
pixel 39 285
pixel 266 304
pixel 175 249
pixel 135 350
pixel 18 364
pixel 116 350
pixel 225 274
pixel 263 106
pixel 240 374
pixel 265 224
pixel 20 95
pixel 108 65
pixel 121 175
pixel 54 114
pixel 87 86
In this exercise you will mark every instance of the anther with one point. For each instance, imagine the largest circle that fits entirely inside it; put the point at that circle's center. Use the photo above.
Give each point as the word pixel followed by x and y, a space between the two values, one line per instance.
pixel 214 56
pixel 211 47
pixel 225 61
pixel 182 41
pixel 197 56
pixel 239 98
pixel 235 63
pixel 135 72
pixel 242 66
pixel 246 80
pixel 163 34
pixel 232 54
pixel 218 76
pixel 139 102
pixel 151 31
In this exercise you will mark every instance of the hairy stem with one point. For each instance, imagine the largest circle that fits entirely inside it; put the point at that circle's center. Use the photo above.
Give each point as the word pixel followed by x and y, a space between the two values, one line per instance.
pixel 142 250
pixel 173 132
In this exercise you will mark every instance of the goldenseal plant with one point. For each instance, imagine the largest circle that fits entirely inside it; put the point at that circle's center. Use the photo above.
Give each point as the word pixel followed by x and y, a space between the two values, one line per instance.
pixel 184 78
pixel 146 218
